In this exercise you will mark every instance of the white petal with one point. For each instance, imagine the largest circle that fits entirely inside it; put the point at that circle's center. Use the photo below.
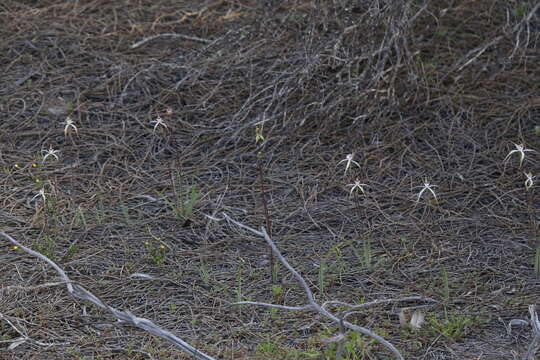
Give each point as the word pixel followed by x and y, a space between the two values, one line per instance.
pixel 16 342
pixel 417 319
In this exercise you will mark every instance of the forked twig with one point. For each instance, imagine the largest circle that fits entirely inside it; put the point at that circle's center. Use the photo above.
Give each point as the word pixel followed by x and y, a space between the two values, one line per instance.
pixel 24 336
pixel 142 323
pixel 312 304
pixel 520 26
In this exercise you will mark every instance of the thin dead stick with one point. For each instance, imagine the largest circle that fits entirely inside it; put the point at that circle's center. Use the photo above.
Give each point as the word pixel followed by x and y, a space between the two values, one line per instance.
pixel 142 323
pixel 527 18
pixel 173 35
pixel 31 288
pixel 381 302
pixel 313 305
pixel 535 332
pixel 520 26
pixel 479 51
pixel 260 137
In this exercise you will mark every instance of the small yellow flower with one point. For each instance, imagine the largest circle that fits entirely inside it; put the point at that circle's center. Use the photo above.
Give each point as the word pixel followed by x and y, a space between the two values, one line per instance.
pixel 162 246
pixel 37 181
pixel 34 165
pixel 14 247
pixel 17 166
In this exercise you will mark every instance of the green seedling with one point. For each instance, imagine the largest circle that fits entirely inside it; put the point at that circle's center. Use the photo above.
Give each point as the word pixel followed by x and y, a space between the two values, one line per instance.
pixel 204 271
pixel 273 313
pixel 277 291
pixel 156 253
pixel 182 206
pixel 71 251
pixel 351 346
pixel 452 328
pixel 271 349
pixel 520 10
pixel 445 290
pixel 366 256
pixel 267 348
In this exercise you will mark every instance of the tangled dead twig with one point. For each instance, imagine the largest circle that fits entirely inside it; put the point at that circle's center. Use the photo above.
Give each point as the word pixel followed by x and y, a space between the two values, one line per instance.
pixel 313 305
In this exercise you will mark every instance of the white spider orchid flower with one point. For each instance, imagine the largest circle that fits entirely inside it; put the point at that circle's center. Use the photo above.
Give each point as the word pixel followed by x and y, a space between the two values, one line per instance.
pixel 350 160
pixel 357 186
pixel 41 193
pixel 429 187
pixel 69 125
pixel 520 148
pixel 50 152
pixel 159 122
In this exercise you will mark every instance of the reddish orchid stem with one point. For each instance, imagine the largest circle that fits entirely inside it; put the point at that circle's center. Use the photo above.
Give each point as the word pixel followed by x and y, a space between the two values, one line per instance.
pixel 267 216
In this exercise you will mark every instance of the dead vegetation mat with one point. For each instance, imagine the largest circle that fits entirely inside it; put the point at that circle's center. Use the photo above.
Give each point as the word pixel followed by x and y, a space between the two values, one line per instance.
pixel 437 92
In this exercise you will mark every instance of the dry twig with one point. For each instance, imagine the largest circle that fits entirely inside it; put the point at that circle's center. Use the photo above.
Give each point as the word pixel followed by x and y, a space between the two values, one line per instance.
pixel 142 323
pixel 313 305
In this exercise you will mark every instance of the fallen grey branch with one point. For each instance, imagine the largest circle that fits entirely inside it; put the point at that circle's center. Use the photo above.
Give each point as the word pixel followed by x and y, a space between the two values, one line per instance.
pixel 381 302
pixel 313 305
pixel 30 288
pixel 283 307
pixel 142 323
pixel 476 52
pixel 535 332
